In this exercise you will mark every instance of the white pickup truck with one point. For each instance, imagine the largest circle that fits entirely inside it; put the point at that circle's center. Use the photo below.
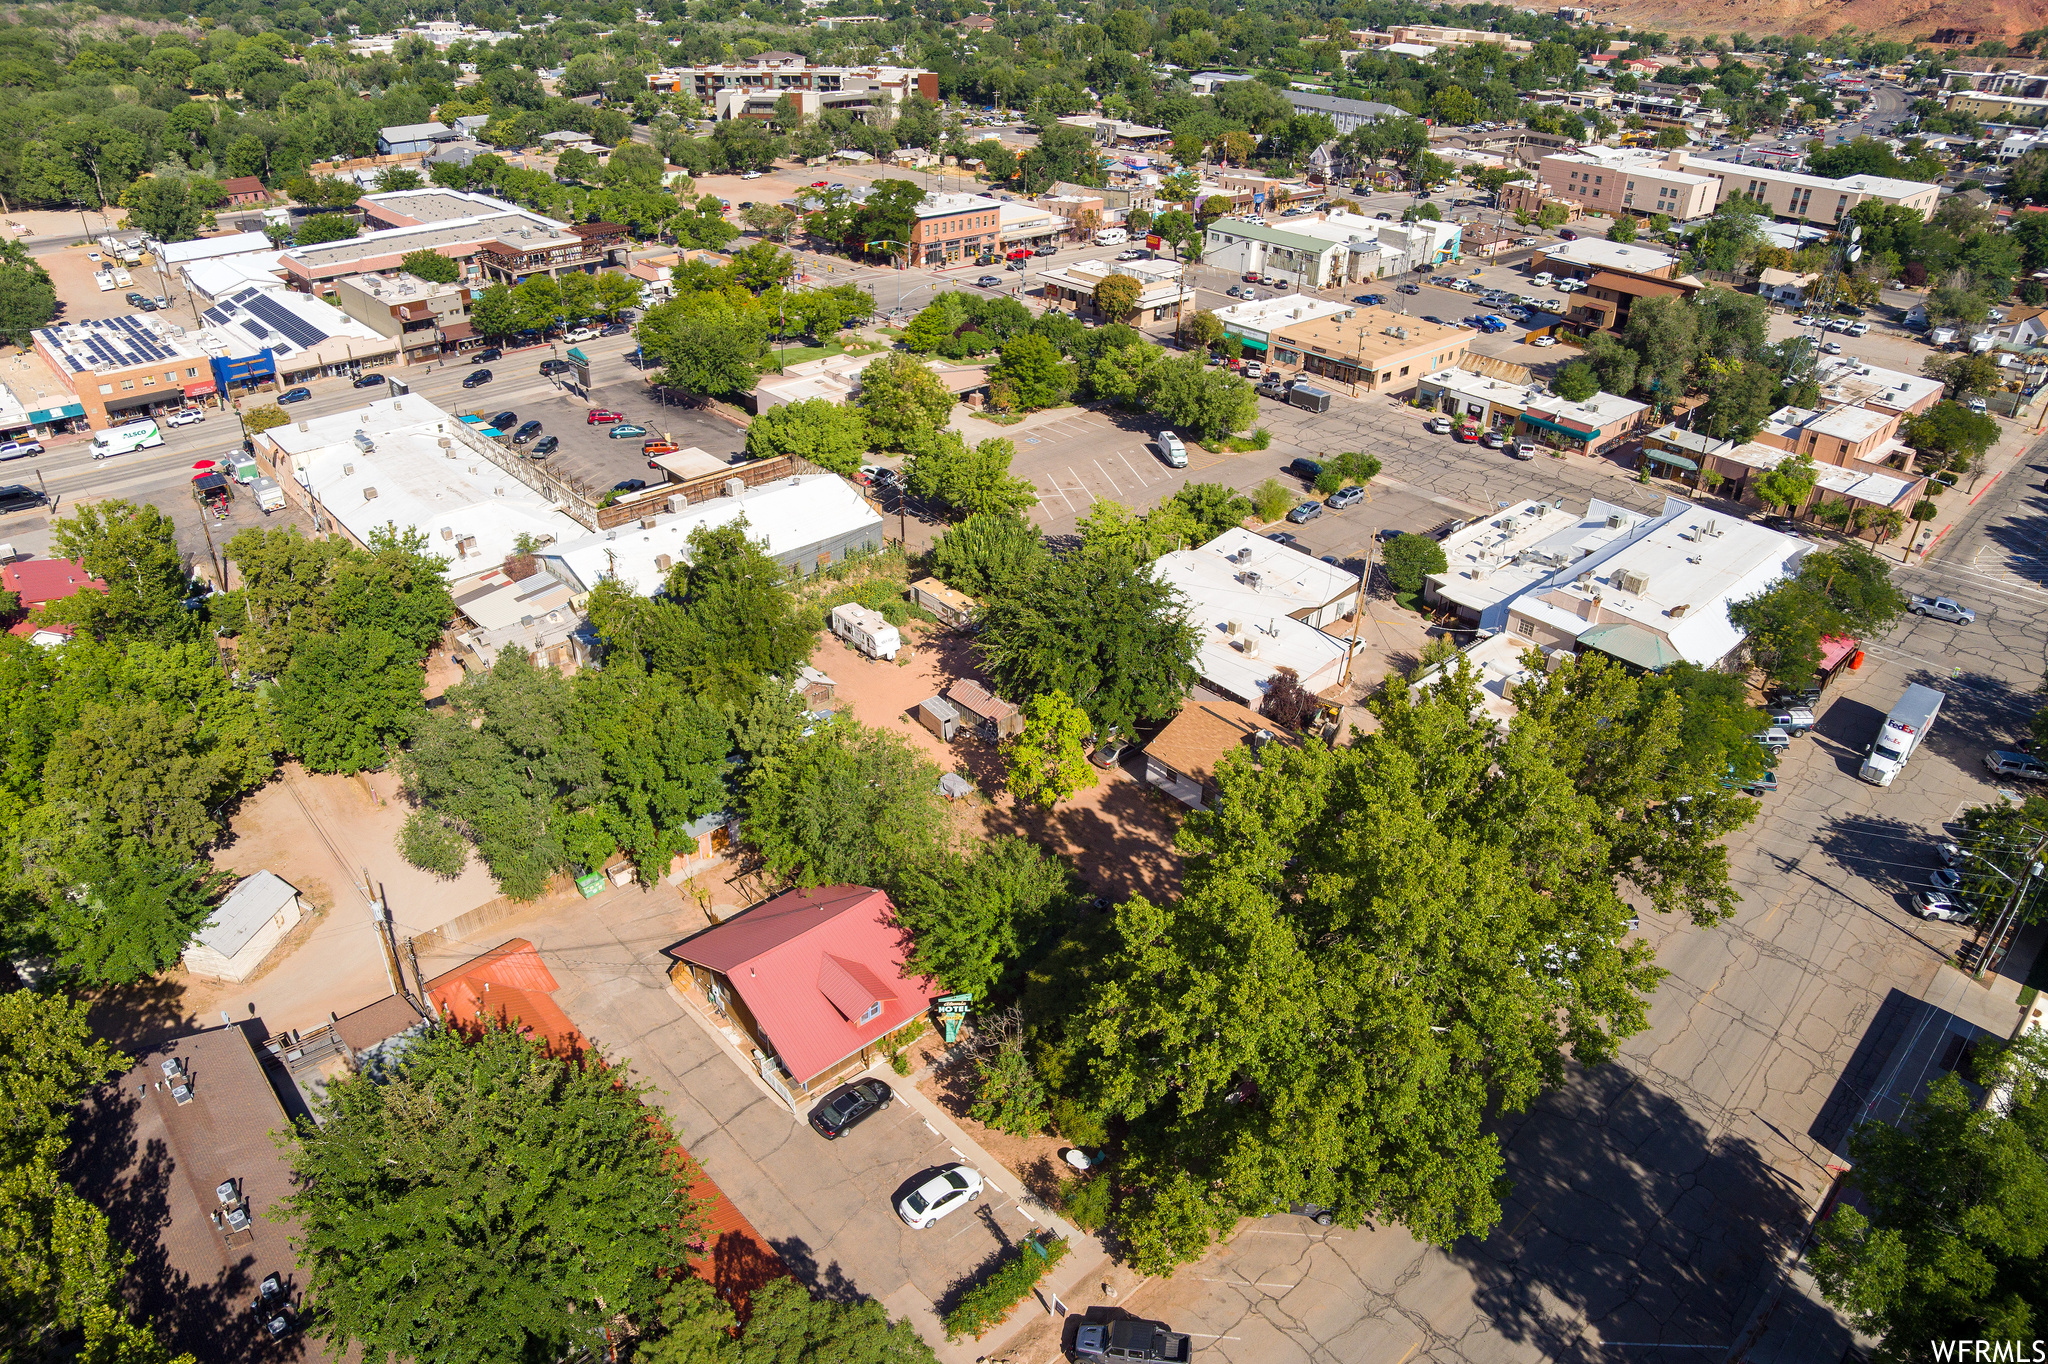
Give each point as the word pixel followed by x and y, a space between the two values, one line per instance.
pixel 1943 608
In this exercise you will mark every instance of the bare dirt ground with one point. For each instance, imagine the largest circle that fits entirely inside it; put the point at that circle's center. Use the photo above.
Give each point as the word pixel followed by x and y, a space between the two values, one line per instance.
pixel 1034 1159
pixel 1905 20
pixel 1118 834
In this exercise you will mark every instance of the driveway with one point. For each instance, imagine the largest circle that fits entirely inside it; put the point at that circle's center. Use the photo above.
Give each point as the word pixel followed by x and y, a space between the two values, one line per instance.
pixel 826 1207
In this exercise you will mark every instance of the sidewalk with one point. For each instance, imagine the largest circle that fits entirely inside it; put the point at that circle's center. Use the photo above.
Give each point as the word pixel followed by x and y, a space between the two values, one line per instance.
pixel 1087 1259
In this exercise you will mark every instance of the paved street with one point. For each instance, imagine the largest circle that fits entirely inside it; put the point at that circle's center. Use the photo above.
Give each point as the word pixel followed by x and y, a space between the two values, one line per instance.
pixel 1653 1200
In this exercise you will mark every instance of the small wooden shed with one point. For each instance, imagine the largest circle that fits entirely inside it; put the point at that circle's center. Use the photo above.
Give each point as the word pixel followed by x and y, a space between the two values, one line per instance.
pixel 950 606
pixel 938 716
pixel 992 717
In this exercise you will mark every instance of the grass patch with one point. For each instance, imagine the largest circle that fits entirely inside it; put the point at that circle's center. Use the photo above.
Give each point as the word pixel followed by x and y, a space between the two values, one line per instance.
pixel 878 581
pixel 796 355
pixel 1257 440
pixel 1410 601
pixel 989 414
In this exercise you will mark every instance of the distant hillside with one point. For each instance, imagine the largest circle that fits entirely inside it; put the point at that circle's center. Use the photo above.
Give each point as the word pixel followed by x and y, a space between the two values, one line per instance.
pixel 1901 19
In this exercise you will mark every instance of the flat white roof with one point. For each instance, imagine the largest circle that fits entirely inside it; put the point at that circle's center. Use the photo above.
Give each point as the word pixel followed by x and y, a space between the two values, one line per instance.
pixel 1479 388
pixel 938 205
pixel 1881 489
pixel 1229 608
pixel 1280 310
pixel 470 510
pixel 249 906
pixel 785 517
pixel 207 248
pixel 1852 424
pixel 1673 574
pixel 1598 254
pixel 1845 379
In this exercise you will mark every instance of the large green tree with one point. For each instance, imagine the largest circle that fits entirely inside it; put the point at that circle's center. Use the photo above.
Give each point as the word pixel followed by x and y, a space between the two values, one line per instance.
pixel 903 400
pixel 967 480
pixel 1204 402
pixel 830 435
pixel 845 805
pixel 1953 1224
pixel 1381 949
pixel 1099 627
pixel 1842 590
pixel 986 553
pixel 484 1199
pixel 134 550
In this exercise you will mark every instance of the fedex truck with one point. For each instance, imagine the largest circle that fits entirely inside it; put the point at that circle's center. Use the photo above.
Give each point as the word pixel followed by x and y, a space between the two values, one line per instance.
pixel 1901 734
pixel 120 440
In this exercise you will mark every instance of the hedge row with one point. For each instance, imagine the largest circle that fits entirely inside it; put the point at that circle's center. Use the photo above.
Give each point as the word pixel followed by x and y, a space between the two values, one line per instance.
pixel 988 1304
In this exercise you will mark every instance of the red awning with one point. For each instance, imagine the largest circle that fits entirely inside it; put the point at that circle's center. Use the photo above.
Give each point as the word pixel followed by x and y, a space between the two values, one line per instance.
pixel 457 331
pixel 1834 649
pixel 199 390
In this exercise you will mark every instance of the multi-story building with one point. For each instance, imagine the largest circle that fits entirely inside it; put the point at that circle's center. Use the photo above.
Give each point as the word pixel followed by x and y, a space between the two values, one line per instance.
pixel 1162 284
pixel 489 241
pixel 424 317
pixel 1809 198
pixel 1317 250
pixel 1626 180
pixel 951 227
pixel 1373 349
pixel 126 367
pixel 750 89
pixel 1347 114
pixel 1253 323
pixel 1991 104
pixel 1438 35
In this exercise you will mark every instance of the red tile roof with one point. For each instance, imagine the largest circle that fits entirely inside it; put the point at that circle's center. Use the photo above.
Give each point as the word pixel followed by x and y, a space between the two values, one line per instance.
pixel 37 581
pixel 244 184
pixel 799 961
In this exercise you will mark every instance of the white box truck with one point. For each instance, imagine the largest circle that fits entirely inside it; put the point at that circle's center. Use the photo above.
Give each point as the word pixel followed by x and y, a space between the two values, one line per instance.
pixel 1111 236
pixel 120 440
pixel 866 631
pixel 1901 734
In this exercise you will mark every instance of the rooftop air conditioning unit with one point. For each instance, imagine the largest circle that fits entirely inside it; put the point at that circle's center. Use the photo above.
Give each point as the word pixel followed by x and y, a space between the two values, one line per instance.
pixel 447 533
pixel 1583 580
pixel 1628 580
pixel 1233 627
pixel 1614 520
pixel 647 523
pixel 678 503
pixel 662 562
pixel 348 471
pixel 734 487
pixel 303 426
pixel 446 443
pixel 369 494
pixel 1248 646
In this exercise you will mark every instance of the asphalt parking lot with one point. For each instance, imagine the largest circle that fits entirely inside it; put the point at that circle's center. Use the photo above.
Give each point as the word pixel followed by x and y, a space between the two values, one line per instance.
pixel 588 452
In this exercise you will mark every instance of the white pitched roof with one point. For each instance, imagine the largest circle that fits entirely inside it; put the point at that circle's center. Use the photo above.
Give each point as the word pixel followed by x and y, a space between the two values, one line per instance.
pixel 246 909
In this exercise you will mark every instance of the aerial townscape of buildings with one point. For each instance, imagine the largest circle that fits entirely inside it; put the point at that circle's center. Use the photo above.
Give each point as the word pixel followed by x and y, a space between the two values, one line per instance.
pixel 1157 679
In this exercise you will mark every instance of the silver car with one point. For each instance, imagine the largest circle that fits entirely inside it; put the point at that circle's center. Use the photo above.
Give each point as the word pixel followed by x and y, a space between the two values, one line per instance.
pixel 1941 906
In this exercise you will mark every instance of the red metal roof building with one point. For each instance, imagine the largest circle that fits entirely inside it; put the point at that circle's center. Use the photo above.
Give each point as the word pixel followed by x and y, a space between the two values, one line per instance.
pixel 815 977
pixel 41 581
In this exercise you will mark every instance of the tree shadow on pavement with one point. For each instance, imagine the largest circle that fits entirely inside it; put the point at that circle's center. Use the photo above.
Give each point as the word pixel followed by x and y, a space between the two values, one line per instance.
pixel 830 1283
pixel 2021 534
pixel 1629 1221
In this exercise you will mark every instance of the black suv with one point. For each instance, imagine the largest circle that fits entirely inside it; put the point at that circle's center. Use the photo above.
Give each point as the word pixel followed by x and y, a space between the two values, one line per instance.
pixel 505 421
pixel 526 432
pixel 847 1105
pixel 476 378
pixel 556 367
pixel 1306 469
pixel 20 497
pixel 487 354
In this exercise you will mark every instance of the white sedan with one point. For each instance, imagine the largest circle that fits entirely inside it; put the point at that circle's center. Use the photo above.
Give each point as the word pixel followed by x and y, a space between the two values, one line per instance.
pixel 1544 341
pixel 751 175
pixel 950 1189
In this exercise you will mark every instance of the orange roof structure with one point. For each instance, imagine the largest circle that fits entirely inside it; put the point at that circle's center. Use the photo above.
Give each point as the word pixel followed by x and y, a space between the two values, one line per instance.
pixel 512 986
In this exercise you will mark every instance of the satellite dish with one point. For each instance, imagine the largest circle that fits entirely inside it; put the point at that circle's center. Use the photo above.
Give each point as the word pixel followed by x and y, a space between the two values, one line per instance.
pixel 1855 253
pixel 1856 233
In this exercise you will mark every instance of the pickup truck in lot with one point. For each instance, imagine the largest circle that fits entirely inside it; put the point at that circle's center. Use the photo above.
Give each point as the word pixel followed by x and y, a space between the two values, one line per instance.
pixel 1942 608
pixel 1147 1341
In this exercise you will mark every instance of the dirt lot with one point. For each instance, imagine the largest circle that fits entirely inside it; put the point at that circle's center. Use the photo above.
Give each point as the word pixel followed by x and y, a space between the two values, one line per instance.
pixel 1118 835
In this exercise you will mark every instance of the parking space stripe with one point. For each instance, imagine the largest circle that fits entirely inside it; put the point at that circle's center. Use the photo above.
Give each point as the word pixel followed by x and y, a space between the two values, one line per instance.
pixel 1106 478
pixel 1143 482
pixel 956 1151
pixel 929 1128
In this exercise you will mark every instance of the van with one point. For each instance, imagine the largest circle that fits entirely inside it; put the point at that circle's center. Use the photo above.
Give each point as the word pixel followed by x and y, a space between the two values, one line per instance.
pixel 1309 399
pixel 1172 450
pixel 1112 236
pixel 1543 281
pixel 120 440
pixel 1566 234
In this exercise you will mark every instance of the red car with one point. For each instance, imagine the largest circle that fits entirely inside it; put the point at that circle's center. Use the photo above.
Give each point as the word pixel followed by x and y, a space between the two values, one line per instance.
pixel 1251 277
pixel 1467 434
pixel 817 184
pixel 600 416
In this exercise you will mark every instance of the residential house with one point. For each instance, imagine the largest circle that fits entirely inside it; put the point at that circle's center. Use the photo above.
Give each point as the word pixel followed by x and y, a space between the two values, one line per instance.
pixel 411 139
pixel 1182 759
pixel 244 190
pixel 1783 287
pixel 815 980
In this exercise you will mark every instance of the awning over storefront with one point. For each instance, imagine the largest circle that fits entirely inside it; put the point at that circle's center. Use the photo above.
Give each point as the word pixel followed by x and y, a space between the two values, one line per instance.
pixel 201 390
pixel 1632 644
pixel 1573 432
pixel 1247 342
pixel 457 331
pixel 52 414
pixel 1675 461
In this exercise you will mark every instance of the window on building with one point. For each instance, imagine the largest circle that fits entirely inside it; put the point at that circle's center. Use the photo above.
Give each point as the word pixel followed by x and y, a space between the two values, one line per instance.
pixel 1404 371
pixel 1526 628
pixel 191 373
pixel 127 384
pixel 148 381
pixel 106 388
pixel 871 1013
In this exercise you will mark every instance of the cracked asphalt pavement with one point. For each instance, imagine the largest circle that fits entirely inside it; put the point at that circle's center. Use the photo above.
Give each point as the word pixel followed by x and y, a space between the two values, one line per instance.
pixel 1658 1202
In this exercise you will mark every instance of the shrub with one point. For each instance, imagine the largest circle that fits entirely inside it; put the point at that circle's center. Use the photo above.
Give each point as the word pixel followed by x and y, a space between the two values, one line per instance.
pixel 1079 1124
pixel 1410 559
pixel 988 1304
pixel 1086 1202
pixel 430 844
pixel 1271 499
pixel 899 1063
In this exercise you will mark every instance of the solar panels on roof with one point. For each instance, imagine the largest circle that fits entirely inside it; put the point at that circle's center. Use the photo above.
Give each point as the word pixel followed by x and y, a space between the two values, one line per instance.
pixel 245 295
pixel 287 322
pixel 255 328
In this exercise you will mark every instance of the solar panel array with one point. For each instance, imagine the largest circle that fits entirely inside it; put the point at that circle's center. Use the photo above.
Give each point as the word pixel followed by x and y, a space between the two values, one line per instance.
pixel 114 343
pixel 290 324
